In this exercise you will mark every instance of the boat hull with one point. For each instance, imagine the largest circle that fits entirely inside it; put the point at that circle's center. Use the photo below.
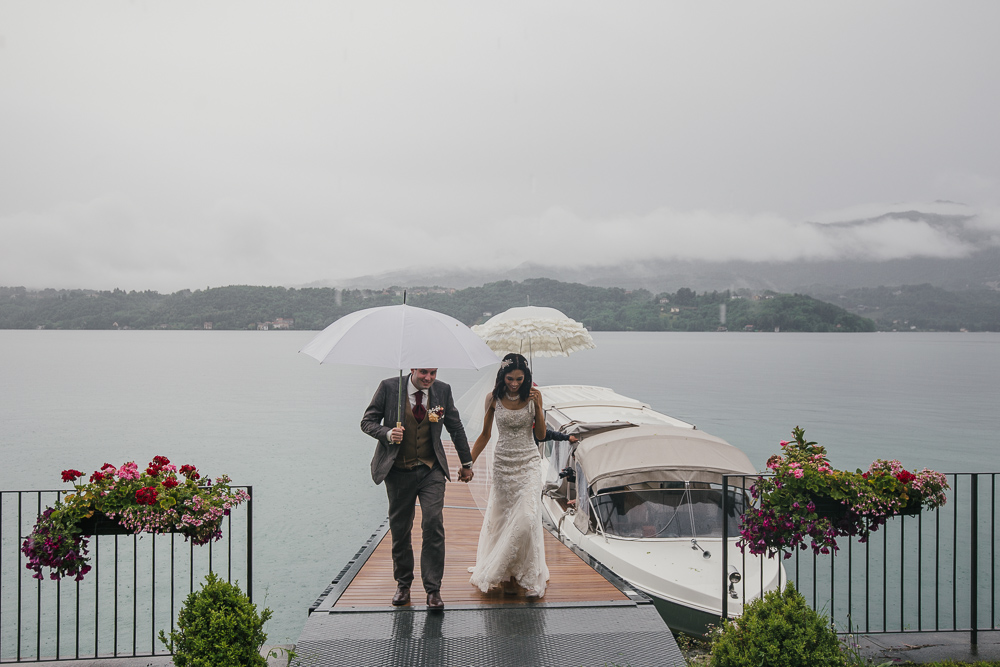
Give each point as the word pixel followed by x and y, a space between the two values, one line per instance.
pixel 684 620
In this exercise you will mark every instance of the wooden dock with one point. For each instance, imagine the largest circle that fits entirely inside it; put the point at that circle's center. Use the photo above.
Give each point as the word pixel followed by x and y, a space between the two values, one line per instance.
pixel 570 579
pixel 587 615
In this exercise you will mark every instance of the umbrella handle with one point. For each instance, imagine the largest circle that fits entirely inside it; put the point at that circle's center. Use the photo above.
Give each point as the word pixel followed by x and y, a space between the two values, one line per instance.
pixel 399 396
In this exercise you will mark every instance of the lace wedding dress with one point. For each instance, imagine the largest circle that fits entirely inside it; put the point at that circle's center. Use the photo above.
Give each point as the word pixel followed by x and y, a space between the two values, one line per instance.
pixel 510 542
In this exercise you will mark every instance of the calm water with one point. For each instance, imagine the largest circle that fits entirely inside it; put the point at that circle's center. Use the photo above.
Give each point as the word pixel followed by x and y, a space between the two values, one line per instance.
pixel 246 404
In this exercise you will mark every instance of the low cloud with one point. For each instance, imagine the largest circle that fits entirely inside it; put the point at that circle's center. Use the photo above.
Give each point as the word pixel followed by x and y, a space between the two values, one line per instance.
pixel 558 237
pixel 110 242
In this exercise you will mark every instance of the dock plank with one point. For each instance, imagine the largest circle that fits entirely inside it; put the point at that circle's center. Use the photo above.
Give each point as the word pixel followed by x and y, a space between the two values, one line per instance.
pixel 571 580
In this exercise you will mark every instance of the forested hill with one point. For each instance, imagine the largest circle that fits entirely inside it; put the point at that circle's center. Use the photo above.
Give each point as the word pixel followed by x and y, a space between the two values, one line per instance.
pixel 246 307
pixel 922 307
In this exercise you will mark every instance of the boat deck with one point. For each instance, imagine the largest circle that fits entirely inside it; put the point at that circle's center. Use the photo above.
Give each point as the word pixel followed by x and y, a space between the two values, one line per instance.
pixel 587 616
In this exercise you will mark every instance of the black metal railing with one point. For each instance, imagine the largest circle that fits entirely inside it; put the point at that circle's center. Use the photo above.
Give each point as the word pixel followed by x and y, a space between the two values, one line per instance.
pixel 134 590
pixel 934 571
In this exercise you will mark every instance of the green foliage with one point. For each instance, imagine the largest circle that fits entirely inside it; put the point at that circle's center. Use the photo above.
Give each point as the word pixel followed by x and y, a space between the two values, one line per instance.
pixel 923 307
pixel 218 627
pixel 778 630
pixel 241 307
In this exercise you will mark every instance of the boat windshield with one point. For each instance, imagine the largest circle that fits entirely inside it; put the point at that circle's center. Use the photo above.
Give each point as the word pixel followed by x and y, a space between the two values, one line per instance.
pixel 668 509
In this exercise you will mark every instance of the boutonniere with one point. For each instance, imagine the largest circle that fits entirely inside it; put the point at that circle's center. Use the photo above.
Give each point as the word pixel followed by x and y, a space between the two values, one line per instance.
pixel 436 413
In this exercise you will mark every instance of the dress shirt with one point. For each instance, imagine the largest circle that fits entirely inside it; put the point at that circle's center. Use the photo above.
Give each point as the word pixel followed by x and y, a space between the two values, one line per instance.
pixel 411 393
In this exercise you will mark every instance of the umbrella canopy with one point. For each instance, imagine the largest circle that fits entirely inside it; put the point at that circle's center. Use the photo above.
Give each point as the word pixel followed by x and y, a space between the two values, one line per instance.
pixel 534 331
pixel 400 337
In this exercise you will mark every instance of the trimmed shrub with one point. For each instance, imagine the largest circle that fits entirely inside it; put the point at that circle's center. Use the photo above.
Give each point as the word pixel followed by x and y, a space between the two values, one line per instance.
pixel 778 630
pixel 218 627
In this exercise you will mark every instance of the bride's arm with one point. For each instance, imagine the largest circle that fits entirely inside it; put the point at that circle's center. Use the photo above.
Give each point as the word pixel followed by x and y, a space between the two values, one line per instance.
pixel 484 437
pixel 536 396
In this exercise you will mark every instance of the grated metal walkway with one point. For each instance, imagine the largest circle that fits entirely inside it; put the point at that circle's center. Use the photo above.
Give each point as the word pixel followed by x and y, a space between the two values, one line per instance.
pixel 602 636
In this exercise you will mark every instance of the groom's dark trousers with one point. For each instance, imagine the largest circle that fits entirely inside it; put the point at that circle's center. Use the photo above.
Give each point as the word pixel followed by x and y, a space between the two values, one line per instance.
pixel 416 468
pixel 404 488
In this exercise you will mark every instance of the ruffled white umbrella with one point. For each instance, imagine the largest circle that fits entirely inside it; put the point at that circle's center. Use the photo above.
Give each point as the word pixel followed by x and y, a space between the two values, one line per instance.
pixel 534 331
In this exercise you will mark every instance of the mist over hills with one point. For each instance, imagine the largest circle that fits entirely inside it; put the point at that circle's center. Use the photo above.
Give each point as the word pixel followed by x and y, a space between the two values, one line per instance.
pixel 952 248
pixel 980 270
pixel 904 269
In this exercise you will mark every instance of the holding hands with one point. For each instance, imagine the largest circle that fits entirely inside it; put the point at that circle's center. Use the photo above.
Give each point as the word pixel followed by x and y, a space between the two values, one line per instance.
pixel 396 436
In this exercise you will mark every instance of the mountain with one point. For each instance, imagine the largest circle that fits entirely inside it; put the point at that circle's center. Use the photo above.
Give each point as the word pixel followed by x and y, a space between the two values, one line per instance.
pixel 974 264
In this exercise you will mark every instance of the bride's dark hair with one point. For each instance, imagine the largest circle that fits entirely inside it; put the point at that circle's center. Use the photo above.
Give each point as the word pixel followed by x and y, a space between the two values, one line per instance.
pixel 513 362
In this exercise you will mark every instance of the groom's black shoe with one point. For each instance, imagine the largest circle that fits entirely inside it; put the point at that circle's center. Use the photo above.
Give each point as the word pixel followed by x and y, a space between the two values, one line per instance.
pixel 434 602
pixel 402 596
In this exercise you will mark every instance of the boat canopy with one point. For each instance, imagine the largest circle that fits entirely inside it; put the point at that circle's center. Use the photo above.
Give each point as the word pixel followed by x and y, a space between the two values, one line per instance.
pixel 567 403
pixel 657 453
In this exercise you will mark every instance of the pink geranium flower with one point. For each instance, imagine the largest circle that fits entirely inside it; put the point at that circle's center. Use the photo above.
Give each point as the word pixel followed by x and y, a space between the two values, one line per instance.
pixel 129 471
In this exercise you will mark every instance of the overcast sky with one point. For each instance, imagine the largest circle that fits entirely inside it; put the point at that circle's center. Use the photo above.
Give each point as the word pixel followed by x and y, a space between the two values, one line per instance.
pixel 170 145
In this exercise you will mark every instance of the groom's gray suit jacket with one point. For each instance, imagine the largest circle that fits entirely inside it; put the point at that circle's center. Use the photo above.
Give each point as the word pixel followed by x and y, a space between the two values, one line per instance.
pixel 380 418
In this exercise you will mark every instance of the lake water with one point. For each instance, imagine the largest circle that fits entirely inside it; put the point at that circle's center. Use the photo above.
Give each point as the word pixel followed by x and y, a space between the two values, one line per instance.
pixel 246 404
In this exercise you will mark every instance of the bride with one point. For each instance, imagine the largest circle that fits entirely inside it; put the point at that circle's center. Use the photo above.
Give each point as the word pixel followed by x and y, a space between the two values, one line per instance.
pixel 511 550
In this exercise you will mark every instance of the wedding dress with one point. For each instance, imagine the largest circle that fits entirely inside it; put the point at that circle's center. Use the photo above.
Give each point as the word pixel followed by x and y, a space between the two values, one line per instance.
pixel 511 540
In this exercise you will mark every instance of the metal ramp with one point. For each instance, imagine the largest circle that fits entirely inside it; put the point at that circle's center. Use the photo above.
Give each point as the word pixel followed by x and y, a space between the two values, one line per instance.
pixel 522 635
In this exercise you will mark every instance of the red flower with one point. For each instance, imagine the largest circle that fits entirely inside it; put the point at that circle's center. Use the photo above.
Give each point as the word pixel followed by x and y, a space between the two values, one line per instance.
pixel 71 475
pixel 160 461
pixel 190 472
pixel 96 477
pixel 905 476
pixel 169 482
pixel 146 496
pixel 153 471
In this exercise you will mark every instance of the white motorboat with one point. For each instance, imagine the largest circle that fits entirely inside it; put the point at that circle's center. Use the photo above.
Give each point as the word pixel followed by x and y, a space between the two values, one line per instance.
pixel 641 493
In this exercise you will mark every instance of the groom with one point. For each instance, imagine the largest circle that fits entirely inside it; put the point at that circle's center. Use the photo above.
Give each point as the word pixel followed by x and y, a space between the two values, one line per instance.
pixel 411 461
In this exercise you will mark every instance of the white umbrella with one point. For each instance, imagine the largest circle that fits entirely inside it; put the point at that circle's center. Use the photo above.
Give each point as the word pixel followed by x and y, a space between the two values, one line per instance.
pixel 400 337
pixel 534 331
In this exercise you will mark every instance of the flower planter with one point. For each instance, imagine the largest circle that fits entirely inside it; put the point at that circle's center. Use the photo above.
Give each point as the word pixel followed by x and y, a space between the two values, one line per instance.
pixel 99 524
pixel 834 510
pixel 829 508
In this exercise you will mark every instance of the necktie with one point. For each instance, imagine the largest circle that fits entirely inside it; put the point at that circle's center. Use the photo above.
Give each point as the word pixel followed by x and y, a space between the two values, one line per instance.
pixel 419 411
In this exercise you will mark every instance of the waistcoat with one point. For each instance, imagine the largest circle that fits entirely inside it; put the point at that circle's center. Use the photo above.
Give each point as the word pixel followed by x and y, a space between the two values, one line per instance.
pixel 416 446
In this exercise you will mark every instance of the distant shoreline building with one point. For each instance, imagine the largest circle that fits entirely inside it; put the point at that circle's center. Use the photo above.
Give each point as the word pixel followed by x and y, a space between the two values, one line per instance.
pixel 284 323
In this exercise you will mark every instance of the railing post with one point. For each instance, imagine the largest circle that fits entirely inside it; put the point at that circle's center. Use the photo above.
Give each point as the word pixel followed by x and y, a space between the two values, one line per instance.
pixel 250 543
pixel 974 563
pixel 38 601
pixel 20 526
pixel 725 546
